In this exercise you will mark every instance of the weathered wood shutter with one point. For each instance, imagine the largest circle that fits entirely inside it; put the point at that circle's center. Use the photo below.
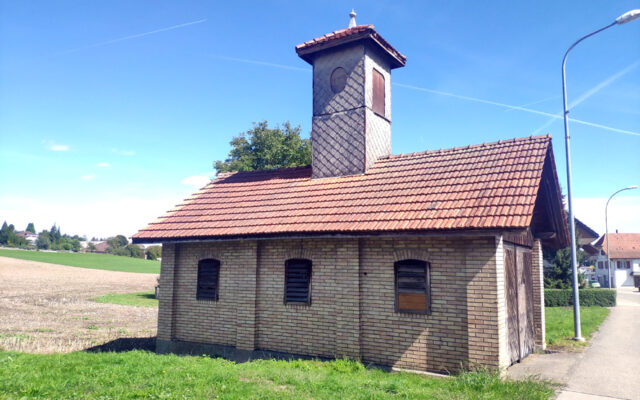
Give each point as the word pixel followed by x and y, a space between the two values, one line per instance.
pixel 208 277
pixel 518 264
pixel 378 93
pixel 297 281
pixel 412 286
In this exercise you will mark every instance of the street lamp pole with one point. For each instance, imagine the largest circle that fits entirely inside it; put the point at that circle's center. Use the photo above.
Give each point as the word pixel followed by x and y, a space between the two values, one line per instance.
pixel 624 18
pixel 606 227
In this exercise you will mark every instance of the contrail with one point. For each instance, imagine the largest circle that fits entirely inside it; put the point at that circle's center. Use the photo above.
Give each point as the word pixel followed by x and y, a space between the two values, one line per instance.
pixel 457 96
pixel 268 64
pixel 100 44
pixel 590 93
pixel 518 108
pixel 603 84
pixel 536 102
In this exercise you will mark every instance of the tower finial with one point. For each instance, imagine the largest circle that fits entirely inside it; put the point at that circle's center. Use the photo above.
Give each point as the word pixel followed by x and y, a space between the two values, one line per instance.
pixel 352 20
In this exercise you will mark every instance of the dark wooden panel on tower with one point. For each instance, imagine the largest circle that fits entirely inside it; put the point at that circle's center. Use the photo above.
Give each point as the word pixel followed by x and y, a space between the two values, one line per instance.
pixel 378 93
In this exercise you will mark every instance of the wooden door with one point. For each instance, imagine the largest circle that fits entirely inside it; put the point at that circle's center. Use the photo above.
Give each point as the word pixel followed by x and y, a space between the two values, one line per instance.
pixel 525 302
pixel 511 303
pixel 518 301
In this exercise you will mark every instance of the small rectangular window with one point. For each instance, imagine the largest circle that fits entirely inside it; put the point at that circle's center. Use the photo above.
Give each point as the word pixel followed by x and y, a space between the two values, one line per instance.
pixel 378 99
pixel 600 265
pixel 628 266
pixel 297 281
pixel 413 290
pixel 619 263
pixel 208 277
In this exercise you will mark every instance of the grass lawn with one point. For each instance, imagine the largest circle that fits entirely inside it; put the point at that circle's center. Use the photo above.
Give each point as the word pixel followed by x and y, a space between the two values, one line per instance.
pixel 139 374
pixel 144 299
pixel 559 325
pixel 87 260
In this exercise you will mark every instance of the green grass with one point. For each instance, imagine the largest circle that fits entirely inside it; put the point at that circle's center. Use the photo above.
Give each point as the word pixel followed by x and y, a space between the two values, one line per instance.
pixel 143 299
pixel 559 325
pixel 139 374
pixel 87 260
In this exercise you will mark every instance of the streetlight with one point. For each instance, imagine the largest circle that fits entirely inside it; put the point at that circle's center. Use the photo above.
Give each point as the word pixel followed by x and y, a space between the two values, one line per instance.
pixel 606 227
pixel 623 19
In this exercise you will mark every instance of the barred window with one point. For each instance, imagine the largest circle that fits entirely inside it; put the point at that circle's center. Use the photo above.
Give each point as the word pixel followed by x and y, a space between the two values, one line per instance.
pixel 208 277
pixel 297 281
pixel 413 286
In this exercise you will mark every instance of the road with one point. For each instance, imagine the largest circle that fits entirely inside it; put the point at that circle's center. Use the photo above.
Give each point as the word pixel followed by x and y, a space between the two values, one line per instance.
pixel 610 366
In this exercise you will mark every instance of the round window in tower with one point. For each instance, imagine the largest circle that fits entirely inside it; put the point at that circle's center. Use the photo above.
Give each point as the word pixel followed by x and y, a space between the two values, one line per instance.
pixel 338 80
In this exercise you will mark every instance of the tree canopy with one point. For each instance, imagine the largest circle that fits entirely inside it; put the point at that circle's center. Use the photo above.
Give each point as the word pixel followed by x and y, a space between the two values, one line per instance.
pixel 9 237
pixel 53 239
pixel 560 276
pixel 31 228
pixel 263 148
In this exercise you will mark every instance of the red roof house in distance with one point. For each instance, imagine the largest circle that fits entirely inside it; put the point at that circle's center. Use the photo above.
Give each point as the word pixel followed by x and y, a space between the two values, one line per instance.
pixel 427 261
pixel 623 249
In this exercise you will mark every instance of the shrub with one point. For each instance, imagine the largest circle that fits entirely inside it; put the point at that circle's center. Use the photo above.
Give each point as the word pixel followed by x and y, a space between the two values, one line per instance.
pixel 154 252
pixel 588 297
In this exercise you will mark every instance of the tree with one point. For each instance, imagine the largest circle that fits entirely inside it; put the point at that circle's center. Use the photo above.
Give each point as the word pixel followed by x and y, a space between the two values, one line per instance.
pixel 43 241
pixel 91 247
pixel 9 237
pixel 262 148
pixel 117 242
pixel 560 275
pixel 154 252
pixel 31 228
pixel 4 233
pixel 134 251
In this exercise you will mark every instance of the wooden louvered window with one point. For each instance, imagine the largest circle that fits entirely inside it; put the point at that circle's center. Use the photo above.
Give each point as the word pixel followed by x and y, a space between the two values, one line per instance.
pixel 378 93
pixel 208 277
pixel 297 281
pixel 413 287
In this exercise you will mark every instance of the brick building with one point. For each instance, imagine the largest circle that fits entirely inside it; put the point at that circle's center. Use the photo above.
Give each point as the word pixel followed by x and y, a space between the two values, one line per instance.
pixel 427 261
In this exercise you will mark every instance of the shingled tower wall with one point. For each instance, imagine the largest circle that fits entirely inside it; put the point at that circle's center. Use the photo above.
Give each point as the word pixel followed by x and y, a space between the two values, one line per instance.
pixel 351 72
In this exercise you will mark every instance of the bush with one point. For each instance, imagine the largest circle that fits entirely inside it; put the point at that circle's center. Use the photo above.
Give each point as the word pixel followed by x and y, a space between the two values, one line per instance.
pixel 154 252
pixel 588 297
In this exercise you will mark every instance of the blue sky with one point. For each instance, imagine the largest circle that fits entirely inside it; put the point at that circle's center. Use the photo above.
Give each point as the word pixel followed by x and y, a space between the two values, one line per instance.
pixel 111 112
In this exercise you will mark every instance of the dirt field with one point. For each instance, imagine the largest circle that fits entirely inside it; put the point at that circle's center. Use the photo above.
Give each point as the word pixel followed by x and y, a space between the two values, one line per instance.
pixel 47 308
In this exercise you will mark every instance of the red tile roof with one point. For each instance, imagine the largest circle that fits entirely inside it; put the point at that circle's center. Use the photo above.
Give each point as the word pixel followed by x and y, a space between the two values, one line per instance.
pixel 349 35
pixel 622 245
pixel 488 186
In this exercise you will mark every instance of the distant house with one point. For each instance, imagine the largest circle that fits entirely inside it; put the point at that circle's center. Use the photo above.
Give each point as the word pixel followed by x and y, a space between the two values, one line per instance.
pixel 585 237
pixel 429 261
pixel 624 253
pixel 101 247
pixel 29 236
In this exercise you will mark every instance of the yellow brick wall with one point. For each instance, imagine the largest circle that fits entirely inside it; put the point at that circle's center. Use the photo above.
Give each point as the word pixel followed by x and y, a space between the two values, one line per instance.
pixel 352 310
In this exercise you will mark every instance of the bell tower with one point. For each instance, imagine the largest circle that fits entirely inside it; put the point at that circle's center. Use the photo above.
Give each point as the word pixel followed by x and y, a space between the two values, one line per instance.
pixel 351 126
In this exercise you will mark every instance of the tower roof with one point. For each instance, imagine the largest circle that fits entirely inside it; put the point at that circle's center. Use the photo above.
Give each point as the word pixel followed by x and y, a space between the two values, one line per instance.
pixel 307 50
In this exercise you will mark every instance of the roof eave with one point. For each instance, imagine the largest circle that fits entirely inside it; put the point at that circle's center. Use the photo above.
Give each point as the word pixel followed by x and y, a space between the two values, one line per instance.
pixel 328 234
pixel 308 53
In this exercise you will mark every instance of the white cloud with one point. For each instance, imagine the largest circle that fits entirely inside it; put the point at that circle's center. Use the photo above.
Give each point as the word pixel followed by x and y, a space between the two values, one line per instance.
pixel 103 165
pixel 624 213
pixel 197 181
pixel 89 177
pixel 124 152
pixel 105 217
pixel 49 144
